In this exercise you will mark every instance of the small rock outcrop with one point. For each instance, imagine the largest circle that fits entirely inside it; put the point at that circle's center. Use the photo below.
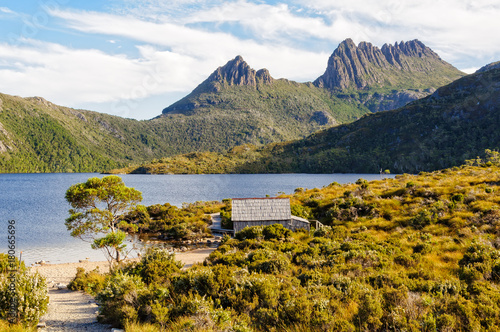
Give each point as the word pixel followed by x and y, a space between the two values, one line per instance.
pixel 493 65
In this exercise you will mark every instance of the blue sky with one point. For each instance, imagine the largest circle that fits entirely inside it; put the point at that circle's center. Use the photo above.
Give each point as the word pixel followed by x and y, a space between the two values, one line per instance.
pixel 133 58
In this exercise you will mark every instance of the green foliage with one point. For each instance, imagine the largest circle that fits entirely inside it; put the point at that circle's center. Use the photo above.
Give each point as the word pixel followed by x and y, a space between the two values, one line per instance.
pixel 456 123
pixel 156 266
pixel 433 265
pixel 276 232
pixel 97 207
pixel 90 282
pixel 120 297
pixel 27 291
pixel 186 223
pixel 249 233
pixel 301 211
pixel 43 137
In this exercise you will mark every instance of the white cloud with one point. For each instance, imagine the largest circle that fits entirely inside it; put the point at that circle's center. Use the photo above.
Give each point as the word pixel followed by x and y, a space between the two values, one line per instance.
pixel 460 31
pixel 470 70
pixel 179 43
pixel 456 29
pixel 265 21
pixel 211 49
pixel 71 76
pixel 6 10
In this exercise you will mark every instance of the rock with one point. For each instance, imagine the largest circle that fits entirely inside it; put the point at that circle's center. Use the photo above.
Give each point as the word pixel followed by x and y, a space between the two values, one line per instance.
pixel 234 72
pixel 493 65
pixel 41 325
pixel 366 66
pixel 322 118
pixel 60 286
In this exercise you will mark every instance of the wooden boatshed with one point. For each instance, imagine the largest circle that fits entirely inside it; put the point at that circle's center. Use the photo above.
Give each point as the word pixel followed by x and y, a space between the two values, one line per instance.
pixel 247 212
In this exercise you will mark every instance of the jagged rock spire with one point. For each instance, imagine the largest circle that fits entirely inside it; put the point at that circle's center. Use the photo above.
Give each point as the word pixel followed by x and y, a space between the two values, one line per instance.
pixel 365 65
pixel 238 72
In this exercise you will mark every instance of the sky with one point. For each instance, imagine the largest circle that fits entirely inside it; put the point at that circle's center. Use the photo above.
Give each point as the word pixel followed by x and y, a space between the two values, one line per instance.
pixel 132 58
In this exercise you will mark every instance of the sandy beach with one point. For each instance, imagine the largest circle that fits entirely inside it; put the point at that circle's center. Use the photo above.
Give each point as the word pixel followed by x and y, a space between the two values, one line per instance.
pixel 64 272
pixel 77 311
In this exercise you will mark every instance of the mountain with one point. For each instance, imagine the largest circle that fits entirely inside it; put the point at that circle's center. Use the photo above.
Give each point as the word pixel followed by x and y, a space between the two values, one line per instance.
pixel 260 109
pixel 39 136
pixel 247 106
pixel 387 78
pixel 235 105
pixel 457 122
pixel 366 78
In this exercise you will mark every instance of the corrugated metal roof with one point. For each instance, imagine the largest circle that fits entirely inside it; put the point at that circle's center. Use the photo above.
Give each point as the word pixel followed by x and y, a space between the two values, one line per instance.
pixel 260 209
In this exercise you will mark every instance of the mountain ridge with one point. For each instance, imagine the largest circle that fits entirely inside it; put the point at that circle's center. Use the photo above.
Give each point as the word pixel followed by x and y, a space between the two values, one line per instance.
pixel 456 123
pixel 366 66
pixel 364 76
pixel 235 105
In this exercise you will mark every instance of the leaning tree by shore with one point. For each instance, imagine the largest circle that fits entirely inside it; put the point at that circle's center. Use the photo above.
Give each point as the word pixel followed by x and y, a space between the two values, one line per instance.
pixel 97 207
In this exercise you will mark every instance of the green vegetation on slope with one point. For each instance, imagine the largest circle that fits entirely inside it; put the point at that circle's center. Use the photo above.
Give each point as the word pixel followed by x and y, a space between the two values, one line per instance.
pixel 458 122
pixel 235 106
pixel 23 295
pixel 415 253
pixel 38 136
pixel 282 109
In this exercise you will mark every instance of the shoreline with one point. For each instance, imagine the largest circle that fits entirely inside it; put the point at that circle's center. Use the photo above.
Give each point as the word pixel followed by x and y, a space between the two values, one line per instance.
pixel 65 272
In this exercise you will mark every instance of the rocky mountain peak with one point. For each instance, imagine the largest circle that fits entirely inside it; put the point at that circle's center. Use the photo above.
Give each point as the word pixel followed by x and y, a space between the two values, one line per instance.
pixel 238 72
pixel 235 72
pixel 414 48
pixel 367 66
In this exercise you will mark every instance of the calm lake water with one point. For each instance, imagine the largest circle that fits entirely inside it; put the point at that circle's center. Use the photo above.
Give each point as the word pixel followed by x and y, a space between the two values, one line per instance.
pixel 36 203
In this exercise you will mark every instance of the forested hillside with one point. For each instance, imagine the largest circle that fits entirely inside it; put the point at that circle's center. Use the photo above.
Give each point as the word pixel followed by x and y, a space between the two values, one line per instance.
pixel 236 105
pixel 38 136
pixel 457 122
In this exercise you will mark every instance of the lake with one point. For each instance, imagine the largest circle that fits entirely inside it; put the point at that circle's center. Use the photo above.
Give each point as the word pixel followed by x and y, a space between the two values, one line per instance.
pixel 36 203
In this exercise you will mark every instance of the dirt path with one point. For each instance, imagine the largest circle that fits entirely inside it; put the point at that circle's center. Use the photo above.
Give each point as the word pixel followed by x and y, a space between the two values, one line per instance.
pixel 76 311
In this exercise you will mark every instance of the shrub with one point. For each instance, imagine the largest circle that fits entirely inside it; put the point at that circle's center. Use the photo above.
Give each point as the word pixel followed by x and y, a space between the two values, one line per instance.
pixel 267 261
pixel 301 211
pixel 90 282
pixel 30 293
pixel 249 233
pixel 156 266
pixel 370 312
pixel 404 260
pixel 121 298
pixel 276 232
pixel 422 248
pixel 422 219
pixel 322 231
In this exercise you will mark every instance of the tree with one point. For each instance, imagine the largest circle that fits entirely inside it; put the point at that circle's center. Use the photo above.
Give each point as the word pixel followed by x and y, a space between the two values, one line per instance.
pixel 97 209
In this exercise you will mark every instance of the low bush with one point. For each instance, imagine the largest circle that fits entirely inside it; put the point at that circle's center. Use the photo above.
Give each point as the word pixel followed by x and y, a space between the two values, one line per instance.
pixel 90 282
pixel 26 291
